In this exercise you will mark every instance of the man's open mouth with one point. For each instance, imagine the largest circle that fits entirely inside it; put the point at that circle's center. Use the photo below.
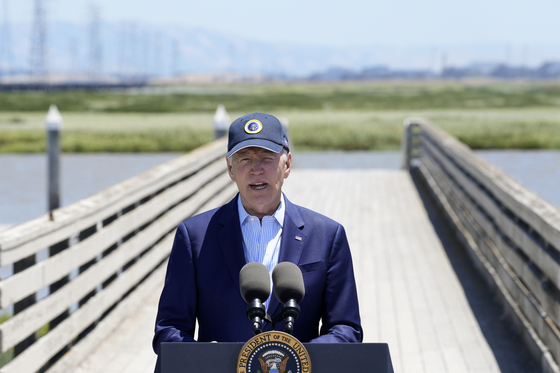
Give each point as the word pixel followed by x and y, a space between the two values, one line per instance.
pixel 258 186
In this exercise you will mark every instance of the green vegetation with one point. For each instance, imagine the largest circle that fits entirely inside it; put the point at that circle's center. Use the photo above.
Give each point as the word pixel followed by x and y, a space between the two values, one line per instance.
pixel 43 330
pixel 91 142
pixel 93 132
pixel 7 356
pixel 345 116
pixel 296 96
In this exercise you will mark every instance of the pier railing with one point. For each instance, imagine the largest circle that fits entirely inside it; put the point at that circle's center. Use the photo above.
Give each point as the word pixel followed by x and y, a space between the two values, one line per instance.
pixel 80 274
pixel 512 234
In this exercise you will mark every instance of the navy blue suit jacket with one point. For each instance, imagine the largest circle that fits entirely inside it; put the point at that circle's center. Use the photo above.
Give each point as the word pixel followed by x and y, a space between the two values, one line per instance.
pixel 202 280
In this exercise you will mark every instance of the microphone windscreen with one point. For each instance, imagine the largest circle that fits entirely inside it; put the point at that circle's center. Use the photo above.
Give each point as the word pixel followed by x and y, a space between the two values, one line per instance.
pixel 288 282
pixel 254 282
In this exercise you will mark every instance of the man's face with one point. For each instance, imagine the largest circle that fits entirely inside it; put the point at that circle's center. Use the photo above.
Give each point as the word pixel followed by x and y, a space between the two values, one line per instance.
pixel 259 175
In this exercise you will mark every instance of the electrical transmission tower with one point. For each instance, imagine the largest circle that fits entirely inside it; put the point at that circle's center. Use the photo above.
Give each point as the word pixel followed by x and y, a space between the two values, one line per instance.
pixel 6 57
pixel 73 52
pixel 175 58
pixel 122 50
pixel 128 51
pixel 145 51
pixel 157 55
pixel 95 52
pixel 38 60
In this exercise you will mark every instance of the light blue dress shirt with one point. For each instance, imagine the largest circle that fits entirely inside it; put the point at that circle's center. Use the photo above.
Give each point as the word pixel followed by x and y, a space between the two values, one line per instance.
pixel 261 242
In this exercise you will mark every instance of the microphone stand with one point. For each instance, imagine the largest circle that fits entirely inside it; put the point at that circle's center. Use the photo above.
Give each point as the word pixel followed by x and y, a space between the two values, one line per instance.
pixel 256 312
pixel 290 312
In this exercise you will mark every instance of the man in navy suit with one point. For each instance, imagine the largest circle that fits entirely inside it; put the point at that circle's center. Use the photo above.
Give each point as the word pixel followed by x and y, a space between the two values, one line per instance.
pixel 259 224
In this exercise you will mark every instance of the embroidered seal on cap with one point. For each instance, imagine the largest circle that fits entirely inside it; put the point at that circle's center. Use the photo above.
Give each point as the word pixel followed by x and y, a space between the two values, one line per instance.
pixel 253 126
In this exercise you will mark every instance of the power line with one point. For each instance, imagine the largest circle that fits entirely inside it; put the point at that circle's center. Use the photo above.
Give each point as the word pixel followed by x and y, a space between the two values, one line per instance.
pixel 73 52
pixel 38 59
pixel 157 54
pixel 95 51
pixel 122 47
pixel 6 57
pixel 175 58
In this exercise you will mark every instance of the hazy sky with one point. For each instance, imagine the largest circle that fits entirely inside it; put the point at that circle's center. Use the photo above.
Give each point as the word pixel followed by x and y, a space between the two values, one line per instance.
pixel 329 22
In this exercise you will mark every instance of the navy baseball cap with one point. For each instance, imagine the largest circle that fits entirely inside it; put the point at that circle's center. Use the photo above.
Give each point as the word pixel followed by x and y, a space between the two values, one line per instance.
pixel 257 129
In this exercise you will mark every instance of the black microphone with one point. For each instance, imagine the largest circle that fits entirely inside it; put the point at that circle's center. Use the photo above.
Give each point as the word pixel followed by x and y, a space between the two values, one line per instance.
pixel 254 284
pixel 290 290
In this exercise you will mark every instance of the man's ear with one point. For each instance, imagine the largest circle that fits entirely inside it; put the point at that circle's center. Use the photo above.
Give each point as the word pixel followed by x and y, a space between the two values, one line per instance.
pixel 288 166
pixel 230 169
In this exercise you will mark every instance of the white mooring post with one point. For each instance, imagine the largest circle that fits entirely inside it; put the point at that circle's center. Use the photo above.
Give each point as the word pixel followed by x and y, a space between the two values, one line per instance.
pixel 53 122
pixel 221 122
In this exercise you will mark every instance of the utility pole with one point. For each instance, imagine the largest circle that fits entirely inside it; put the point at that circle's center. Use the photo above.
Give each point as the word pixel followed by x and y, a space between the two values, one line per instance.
pixel 158 70
pixel 145 50
pixel 127 59
pixel 122 50
pixel 507 62
pixel 6 63
pixel 175 58
pixel 133 60
pixel 95 51
pixel 38 60
pixel 73 51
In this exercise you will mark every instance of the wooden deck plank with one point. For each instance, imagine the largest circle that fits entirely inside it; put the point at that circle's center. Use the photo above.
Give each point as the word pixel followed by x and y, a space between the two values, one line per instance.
pixel 129 348
pixel 421 309
pixel 409 295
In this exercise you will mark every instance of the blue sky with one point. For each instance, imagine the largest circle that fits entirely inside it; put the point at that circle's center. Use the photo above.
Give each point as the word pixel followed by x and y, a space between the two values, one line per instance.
pixel 332 23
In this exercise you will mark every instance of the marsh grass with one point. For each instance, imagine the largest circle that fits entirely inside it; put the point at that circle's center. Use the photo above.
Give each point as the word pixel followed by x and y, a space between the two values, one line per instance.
pixel 308 130
pixel 382 130
pixel 422 95
pixel 7 356
pixel 101 132
pixel 353 116
pixel 91 142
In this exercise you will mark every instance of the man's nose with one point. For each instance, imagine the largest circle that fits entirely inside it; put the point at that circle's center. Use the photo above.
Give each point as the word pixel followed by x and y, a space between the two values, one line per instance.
pixel 256 166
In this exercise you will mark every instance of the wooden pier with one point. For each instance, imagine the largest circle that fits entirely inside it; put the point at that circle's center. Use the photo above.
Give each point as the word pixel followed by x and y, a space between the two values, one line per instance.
pixel 409 295
pixel 414 234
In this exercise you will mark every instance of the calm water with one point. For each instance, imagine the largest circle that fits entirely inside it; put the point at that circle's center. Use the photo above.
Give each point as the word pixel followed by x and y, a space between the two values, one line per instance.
pixel 23 177
pixel 538 170
pixel 23 184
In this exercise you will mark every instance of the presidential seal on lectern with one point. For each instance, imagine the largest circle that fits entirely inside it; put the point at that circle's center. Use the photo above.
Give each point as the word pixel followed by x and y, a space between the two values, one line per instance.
pixel 273 352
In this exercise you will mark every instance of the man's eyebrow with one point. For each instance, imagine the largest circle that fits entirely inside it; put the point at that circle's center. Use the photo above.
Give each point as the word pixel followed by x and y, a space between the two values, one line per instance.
pixel 241 153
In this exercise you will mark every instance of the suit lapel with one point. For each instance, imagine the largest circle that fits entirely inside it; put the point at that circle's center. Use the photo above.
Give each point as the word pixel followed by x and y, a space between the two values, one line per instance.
pixel 293 242
pixel 231 241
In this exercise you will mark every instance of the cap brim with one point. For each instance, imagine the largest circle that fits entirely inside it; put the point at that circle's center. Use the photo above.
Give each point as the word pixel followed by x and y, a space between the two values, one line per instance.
pixel 259 143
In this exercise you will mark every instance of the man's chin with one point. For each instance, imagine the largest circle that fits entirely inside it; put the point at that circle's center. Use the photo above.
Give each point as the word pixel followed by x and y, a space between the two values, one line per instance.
pixel 260 203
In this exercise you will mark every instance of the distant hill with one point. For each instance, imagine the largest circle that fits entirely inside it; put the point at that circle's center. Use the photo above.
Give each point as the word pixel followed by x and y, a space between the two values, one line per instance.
pixel 133 49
